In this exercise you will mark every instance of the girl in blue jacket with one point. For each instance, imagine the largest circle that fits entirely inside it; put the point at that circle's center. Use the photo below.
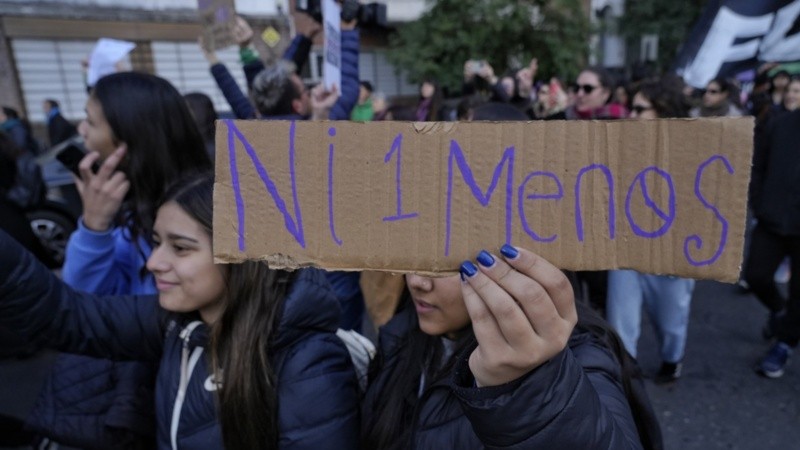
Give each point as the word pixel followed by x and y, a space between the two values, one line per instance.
pixel 500 359
pixel 140 133
pixel 248 356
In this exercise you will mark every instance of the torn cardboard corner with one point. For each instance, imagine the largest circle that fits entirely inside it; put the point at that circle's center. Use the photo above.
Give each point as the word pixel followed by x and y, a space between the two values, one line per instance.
pixel 658 196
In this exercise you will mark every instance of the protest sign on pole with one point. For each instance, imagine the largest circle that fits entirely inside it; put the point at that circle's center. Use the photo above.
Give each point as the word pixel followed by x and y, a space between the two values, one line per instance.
pixel 332 67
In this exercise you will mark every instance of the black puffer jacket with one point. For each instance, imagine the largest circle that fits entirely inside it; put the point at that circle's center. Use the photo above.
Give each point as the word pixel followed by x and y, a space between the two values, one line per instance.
pixel 316 382
pixel 775 186
pixel 574 401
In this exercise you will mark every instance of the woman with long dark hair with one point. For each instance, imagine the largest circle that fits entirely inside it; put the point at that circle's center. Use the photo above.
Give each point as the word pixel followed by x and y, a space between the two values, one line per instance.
pixel 141 137
pixel 502 359
pixel 248 355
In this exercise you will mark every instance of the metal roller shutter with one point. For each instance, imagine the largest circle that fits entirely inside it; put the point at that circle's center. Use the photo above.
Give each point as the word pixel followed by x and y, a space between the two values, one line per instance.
pixel 183 64
pixel 52 69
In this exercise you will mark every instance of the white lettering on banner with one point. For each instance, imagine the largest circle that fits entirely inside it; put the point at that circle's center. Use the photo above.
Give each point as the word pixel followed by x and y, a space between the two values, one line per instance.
pixel 719 48
pixel 777 46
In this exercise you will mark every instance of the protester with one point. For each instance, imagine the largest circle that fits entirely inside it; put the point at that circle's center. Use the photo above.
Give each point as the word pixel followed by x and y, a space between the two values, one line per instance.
pixel 293 388
pixel 718 100
pixel 363 111
pixel 667 299
pixel 593 98
pixel 14 222
pixel 26 189
pixel 58 128
pixel 19 130
pixel 380 106
pixel 497 360
pixel 774 198
pixel 429 105
pixel 430 387
pixel 205 116
pixel 140 128
pixel 778 85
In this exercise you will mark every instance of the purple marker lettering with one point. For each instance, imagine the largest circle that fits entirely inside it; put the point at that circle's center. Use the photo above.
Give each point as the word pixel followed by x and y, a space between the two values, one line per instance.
pixel 295 228
pixel 397 148
pixel 695 239
pixel 668 218
pixel 521 202
pixel 611 213
pixel 332 133
pixel 237 190
pixel 457 155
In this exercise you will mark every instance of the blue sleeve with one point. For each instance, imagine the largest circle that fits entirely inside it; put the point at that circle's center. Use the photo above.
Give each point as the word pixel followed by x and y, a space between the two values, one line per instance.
pixel 318 371
pixel 105 263
pixel 240 104
pixel 252 69
pixel 564 404
pixel 39 307
pixel 298 51
pixel 349 89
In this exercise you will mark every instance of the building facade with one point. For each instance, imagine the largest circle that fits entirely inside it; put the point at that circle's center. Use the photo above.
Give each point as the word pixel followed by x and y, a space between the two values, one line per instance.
pixel 42 44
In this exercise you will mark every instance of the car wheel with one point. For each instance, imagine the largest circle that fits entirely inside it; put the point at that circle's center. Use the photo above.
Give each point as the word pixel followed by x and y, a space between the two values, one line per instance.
pixel 53 230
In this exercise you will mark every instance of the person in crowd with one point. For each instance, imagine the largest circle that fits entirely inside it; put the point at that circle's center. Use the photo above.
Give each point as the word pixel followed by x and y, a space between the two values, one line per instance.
pixel 140 128
pixel 248 356
pixel 58 128
pixel 429 105
pixel 205 116
pixel 380 106
pixel 666 299
pixel 593 99
pixel 774 198
pixel 19 129
pixel 526 94
pixel 439 380
pixel 502 358
pixel 778 86
pixel 363 110
pixel 550 100
pixel 27 189
pixel 718 100
pixel 279 93
pixel 622 95
pixel 14 222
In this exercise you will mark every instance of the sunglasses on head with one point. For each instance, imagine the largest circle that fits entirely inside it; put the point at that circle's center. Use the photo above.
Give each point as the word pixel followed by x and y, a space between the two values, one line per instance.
pixel 639 109
pixel 586 88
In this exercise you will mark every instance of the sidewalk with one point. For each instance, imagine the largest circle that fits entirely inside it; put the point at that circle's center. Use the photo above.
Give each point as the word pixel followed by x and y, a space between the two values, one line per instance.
pixel 720 403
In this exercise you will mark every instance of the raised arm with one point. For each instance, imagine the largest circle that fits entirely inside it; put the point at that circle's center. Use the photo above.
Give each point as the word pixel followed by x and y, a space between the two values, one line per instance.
pixel 523 386
pixel 39 307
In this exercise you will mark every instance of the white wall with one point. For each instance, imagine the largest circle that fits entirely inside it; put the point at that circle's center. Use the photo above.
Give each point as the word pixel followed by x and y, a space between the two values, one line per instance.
pixel 249 7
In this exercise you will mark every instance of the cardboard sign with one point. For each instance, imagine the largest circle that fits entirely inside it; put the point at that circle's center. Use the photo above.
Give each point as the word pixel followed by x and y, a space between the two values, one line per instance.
pixel 332 65
pixel 659 196
pixel 218 17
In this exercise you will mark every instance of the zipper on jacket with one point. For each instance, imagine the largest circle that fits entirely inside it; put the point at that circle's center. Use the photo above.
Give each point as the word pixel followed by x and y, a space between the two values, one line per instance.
pixel 187 367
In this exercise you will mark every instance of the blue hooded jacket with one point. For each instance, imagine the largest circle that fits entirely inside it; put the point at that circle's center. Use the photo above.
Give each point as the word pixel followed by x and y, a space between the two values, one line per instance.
pixel 316 384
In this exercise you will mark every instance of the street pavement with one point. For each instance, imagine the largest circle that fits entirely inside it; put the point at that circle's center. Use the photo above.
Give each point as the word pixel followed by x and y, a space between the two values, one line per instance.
pixel 719 403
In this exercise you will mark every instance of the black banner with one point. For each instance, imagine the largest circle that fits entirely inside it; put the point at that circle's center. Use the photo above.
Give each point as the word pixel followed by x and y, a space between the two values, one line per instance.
pixel 736 35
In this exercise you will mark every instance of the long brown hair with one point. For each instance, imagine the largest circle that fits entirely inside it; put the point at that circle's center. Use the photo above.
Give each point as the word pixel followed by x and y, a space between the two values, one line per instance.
pixel 241 338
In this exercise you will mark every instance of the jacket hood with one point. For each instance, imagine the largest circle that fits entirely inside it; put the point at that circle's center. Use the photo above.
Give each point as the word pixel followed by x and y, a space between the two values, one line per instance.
pixel 310 304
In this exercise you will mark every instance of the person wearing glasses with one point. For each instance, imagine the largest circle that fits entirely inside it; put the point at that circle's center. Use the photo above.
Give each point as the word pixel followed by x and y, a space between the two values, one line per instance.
pixel 718 100
pixel 665 298
pixel 593 99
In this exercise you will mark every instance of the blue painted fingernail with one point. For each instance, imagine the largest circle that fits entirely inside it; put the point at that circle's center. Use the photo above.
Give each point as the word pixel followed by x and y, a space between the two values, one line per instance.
pixel 468 269
pixel 509 251
pixel 485 259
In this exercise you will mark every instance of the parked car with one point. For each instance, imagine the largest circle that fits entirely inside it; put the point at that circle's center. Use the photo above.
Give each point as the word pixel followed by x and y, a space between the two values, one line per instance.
pixel 55 220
